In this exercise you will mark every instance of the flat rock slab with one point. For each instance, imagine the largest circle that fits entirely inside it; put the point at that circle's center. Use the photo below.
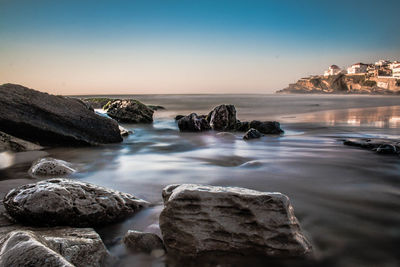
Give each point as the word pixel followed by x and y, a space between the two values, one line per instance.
pixel 379 145
pixel 68 202
pixel 52 120
pixel 198 220
pixel 60 246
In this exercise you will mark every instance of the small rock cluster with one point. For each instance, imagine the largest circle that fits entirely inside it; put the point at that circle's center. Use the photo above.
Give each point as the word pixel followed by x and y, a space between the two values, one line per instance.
pixel 223 118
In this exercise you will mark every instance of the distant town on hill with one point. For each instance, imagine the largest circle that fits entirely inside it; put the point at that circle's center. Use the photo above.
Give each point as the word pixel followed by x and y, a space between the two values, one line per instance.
pixel 381 77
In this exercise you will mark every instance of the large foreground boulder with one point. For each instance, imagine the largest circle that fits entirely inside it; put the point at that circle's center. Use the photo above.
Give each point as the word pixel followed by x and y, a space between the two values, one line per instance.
pixel 193 123
pixel 52 120
pixel 67 202
pixel 222 118
pixel 130 111
pixel 52 247
pixel 198 220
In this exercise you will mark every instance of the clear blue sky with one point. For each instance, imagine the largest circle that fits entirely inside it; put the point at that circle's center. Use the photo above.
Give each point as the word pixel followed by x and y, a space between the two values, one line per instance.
pixel 71 46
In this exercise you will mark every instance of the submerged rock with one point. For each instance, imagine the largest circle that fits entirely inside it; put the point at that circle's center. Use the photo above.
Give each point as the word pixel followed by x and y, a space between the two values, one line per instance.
pixel 51 247
pixel 252 134
pixel 11 143
pixel 46 167
pixel 67 202
pixel 198 219
pixel 193 123
pixel 130 111
pixel 144 242
pixel 267 127
pixel 379 145
pixel 52 120
pixel 222 118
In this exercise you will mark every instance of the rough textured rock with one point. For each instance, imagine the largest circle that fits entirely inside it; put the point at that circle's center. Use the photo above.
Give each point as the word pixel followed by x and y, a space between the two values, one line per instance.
pixel 51 247
pixel 267 127
pixel 68 202
pixel 52 120
pixel 379 145
pixel 11 143
pixel 130 111
pixel 222 118
pixel 197 220
pixel 252 134
pixel 144 242
pixel 178 117
pixel 49 167
pixel 193 123
pixel 242 126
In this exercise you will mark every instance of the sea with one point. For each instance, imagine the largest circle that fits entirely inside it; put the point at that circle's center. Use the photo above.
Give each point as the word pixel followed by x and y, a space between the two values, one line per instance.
pixel 346 199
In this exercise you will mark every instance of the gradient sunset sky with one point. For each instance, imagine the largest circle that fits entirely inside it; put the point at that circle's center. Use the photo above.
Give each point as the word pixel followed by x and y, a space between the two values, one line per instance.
pixel 168 46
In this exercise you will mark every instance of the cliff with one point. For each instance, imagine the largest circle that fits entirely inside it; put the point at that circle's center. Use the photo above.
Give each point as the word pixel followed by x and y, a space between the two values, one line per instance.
pixel 344 84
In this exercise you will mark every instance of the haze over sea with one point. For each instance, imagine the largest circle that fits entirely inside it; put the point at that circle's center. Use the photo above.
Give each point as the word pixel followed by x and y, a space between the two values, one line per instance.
pixel 346 199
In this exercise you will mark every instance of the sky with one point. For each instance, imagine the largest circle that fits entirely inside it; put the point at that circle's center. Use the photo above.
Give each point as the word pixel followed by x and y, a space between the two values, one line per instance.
pixel 73 47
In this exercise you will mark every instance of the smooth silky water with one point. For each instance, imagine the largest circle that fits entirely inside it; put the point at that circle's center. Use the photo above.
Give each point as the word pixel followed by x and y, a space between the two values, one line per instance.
pixel 346 199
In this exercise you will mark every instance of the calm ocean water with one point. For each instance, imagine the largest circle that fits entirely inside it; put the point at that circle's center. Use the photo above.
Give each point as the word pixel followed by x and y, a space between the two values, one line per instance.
pixel 346 199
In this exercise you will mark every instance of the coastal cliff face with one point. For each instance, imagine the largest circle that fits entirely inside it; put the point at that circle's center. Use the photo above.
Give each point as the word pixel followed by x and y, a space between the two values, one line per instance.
pixel 344 84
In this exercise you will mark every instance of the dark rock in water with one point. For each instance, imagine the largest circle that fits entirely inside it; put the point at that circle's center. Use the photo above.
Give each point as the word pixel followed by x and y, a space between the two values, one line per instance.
pixel 386 149
pixel 68 202
pixel 252 134
pixel 11 143
pixel 124 132
pixel 242 126
pixel 155 108
pixel 52 120
pixel 144 242
pixel 52 247
pixel 198 219
pixel 130 111
pixel 97 102
pixel 379 145
pixel 222 118
pixel 49 167
pixel 267 127
pixel 193 123
pixel 178 117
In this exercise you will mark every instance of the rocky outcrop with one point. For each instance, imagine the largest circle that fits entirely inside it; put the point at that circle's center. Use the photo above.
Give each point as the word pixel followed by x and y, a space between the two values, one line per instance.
pixel 198 219
pixel 130 111
pixel 51 247
pixel 144 242
pixel 379 145
pixel 11 143
pixel 193 123
pixel 267 127
pixel 344 84
pixel 242 126
pixel 52 120
pixel 49 167
pixel 67 202
pixel 222 118
pixel 252 134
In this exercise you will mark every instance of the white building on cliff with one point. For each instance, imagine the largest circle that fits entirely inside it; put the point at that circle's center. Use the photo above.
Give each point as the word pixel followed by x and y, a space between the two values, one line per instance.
pixel 357 68
pixel 396 71
pixel 332 70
